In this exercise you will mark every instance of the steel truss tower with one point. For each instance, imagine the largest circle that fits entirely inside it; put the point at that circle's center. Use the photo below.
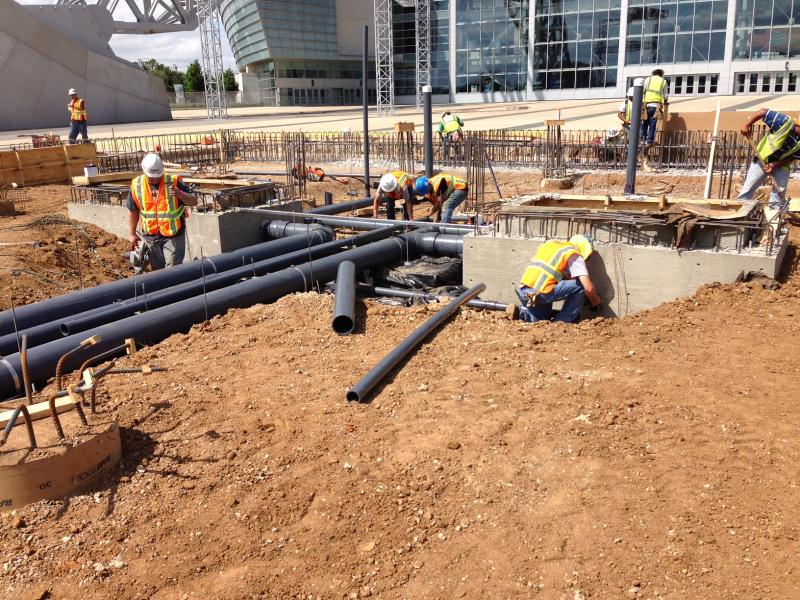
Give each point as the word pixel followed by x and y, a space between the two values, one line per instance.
pixel 384 57
pixel 211 50
pixel 423 28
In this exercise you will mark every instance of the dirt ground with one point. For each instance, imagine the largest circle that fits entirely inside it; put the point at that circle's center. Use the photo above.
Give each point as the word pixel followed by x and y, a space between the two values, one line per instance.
pixel 654 456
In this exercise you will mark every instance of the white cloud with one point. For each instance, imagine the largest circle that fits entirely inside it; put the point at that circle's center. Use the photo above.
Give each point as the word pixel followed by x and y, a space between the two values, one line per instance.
pixel 168 48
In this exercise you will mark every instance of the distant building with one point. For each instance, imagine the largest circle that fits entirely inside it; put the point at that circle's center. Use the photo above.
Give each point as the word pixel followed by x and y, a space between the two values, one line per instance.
pixel 308 52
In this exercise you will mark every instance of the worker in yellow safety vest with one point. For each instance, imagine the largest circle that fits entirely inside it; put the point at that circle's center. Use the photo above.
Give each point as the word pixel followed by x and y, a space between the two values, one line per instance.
pixel 656 98
pixel 445 192
pixel 450 132
pixel 624 110
pixel 77 117
pixel 775 153
pixel 156 204
pixel 393 186
pixel 558 272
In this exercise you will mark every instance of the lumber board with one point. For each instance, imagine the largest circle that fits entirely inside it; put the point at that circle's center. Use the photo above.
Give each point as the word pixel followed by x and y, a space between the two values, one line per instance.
pixel 39 410
pixel 54 164
pixel 105 177
pixel 636 199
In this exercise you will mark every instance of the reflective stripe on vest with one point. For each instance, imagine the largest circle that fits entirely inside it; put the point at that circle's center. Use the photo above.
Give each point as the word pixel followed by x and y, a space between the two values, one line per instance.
pixel 628 110
pixel 453 183
pixel 77 110
pixel 654 92
pixel 162 214
pixel 450 123
pixel 773 142
pixel 548 266
pixel 402 180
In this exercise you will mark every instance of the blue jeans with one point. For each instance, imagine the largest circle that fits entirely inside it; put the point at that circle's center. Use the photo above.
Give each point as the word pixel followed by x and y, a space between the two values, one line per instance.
pixel 75 128
pixel 568 290
pixel 649 125
pixel 449 205
pixel 756 176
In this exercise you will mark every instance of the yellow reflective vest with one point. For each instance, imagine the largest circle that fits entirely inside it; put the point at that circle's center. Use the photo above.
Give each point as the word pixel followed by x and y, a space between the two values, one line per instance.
pixel 548 266
pixel 403 179
pixel 628 109
pixel 773 142
pixel 77 110
pixel 453 183
pixel 162 214
pixel 450 123
pixel 655 88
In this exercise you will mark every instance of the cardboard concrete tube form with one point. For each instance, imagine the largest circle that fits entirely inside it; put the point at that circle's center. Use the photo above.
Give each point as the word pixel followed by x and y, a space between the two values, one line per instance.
pixel 344 306
pixel 361 390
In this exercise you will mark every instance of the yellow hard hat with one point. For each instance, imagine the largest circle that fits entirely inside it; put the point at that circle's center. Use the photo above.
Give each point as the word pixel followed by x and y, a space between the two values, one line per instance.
pixel 583 243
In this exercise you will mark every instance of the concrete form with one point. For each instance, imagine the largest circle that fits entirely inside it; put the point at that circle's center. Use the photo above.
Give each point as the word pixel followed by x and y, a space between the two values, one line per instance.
pixel 210 232
pixel 39 63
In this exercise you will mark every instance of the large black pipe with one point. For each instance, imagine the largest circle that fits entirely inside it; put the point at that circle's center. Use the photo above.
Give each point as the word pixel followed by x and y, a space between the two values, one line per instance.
pixel 155 325
pixel 344 306
pixel 341 207
pixel 633 136
pixel 75 302
pixel 364 223
pixel 427 121
pixel 365 107
pixel 371 290
pixel 174 294
pixel 360 391
pixel 281 229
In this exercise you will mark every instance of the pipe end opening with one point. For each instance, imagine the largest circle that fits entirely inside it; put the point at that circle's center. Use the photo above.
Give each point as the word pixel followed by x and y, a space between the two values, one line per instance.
pixel 64 329
pixel 343 325
pixel 352 396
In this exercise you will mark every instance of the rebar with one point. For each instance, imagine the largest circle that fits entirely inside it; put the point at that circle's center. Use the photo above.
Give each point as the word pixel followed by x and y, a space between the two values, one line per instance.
pixel 21 409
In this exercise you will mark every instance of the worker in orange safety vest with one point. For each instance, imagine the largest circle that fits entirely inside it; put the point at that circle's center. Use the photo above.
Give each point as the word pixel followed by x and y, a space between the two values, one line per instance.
pixel 77 117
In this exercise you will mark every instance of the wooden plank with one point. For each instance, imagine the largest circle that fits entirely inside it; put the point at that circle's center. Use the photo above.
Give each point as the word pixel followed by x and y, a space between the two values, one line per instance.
pixel 54 164
pixel 105 177
pixel 40 410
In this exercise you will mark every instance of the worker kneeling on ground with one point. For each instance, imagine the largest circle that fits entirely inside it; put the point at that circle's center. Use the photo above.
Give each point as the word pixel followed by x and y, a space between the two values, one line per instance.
pixel 157 202
pixel 446 192
pixel 558 272
pixel 775 153
pixel 396 185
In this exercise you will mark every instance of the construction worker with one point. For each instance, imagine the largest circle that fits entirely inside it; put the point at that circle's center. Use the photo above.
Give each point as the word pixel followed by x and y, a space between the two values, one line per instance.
pixel 655 100
pixel 775 153
pixel 310 173
pixel 558 272
pixel 624 110
pixel 157 204
pixel 445 192
pixel 450 131
pixel 393 186
pixel 77 117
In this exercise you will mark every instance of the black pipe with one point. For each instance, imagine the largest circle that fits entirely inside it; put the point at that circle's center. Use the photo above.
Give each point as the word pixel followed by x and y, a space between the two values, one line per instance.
pixel 341 207
pixel 75 302
pixel 371 290
pixel 328 198
pixel 194 288
pixel 365 107
pixel 362 222
pixel 427 112
pixel 633 136
pixel 282 229
pixel 155 325
pixel 432 243
pixel 344 306
pixel 360 391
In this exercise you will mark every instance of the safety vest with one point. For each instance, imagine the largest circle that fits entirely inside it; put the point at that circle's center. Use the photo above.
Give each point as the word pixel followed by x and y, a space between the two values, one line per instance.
pixel 450 123
pixel 77 110
pixel 773 142
pixel 628 109
pixel 548 266
pixel 656 87
pixel 453 183
pixel 162 214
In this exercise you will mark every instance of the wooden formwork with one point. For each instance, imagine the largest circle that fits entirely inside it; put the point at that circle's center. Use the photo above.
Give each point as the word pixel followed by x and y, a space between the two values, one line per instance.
pixel 55 164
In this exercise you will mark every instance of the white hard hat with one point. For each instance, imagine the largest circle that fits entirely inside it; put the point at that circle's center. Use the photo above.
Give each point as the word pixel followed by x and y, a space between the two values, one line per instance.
pixel 630 91
pixel 388 183
pixel 152 165
pixel 71 91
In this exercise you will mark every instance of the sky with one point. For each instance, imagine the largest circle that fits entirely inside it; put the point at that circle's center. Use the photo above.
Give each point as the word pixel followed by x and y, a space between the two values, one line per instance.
pixel 169 48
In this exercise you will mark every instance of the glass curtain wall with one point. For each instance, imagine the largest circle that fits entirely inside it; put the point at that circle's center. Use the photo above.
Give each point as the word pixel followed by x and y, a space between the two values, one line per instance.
pixel 767 30
pixel 491 45
pixel 576 44
pixel 405 48
pixel 665 32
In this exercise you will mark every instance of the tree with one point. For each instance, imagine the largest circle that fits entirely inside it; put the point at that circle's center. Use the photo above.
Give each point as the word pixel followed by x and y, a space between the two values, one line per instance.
pixel 229 81
pixel 170 75
pixel 193 81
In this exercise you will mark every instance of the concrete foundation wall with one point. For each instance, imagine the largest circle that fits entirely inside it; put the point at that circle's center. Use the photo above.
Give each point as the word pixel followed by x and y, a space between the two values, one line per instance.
pixel 628 278
pixel 211 233
pixel 38 64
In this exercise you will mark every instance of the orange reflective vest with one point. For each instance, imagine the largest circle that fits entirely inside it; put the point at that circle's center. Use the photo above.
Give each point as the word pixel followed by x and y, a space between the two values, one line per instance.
pixel 453 183
pixel 403 180
pixel 77 110
pixel 548 266
pixel 162 214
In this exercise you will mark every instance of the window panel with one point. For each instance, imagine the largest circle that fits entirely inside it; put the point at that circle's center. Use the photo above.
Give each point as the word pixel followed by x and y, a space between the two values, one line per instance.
pixel 683 47
pixel 779 42
pixel 702 16
pixel 649 48
pixel 700 42
pixel 666 49
pixel 719 15
pixel 717 49
pixel 685 16
pixel 762 15
pixel 633 51
pixel 781 12
pixel 668 18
